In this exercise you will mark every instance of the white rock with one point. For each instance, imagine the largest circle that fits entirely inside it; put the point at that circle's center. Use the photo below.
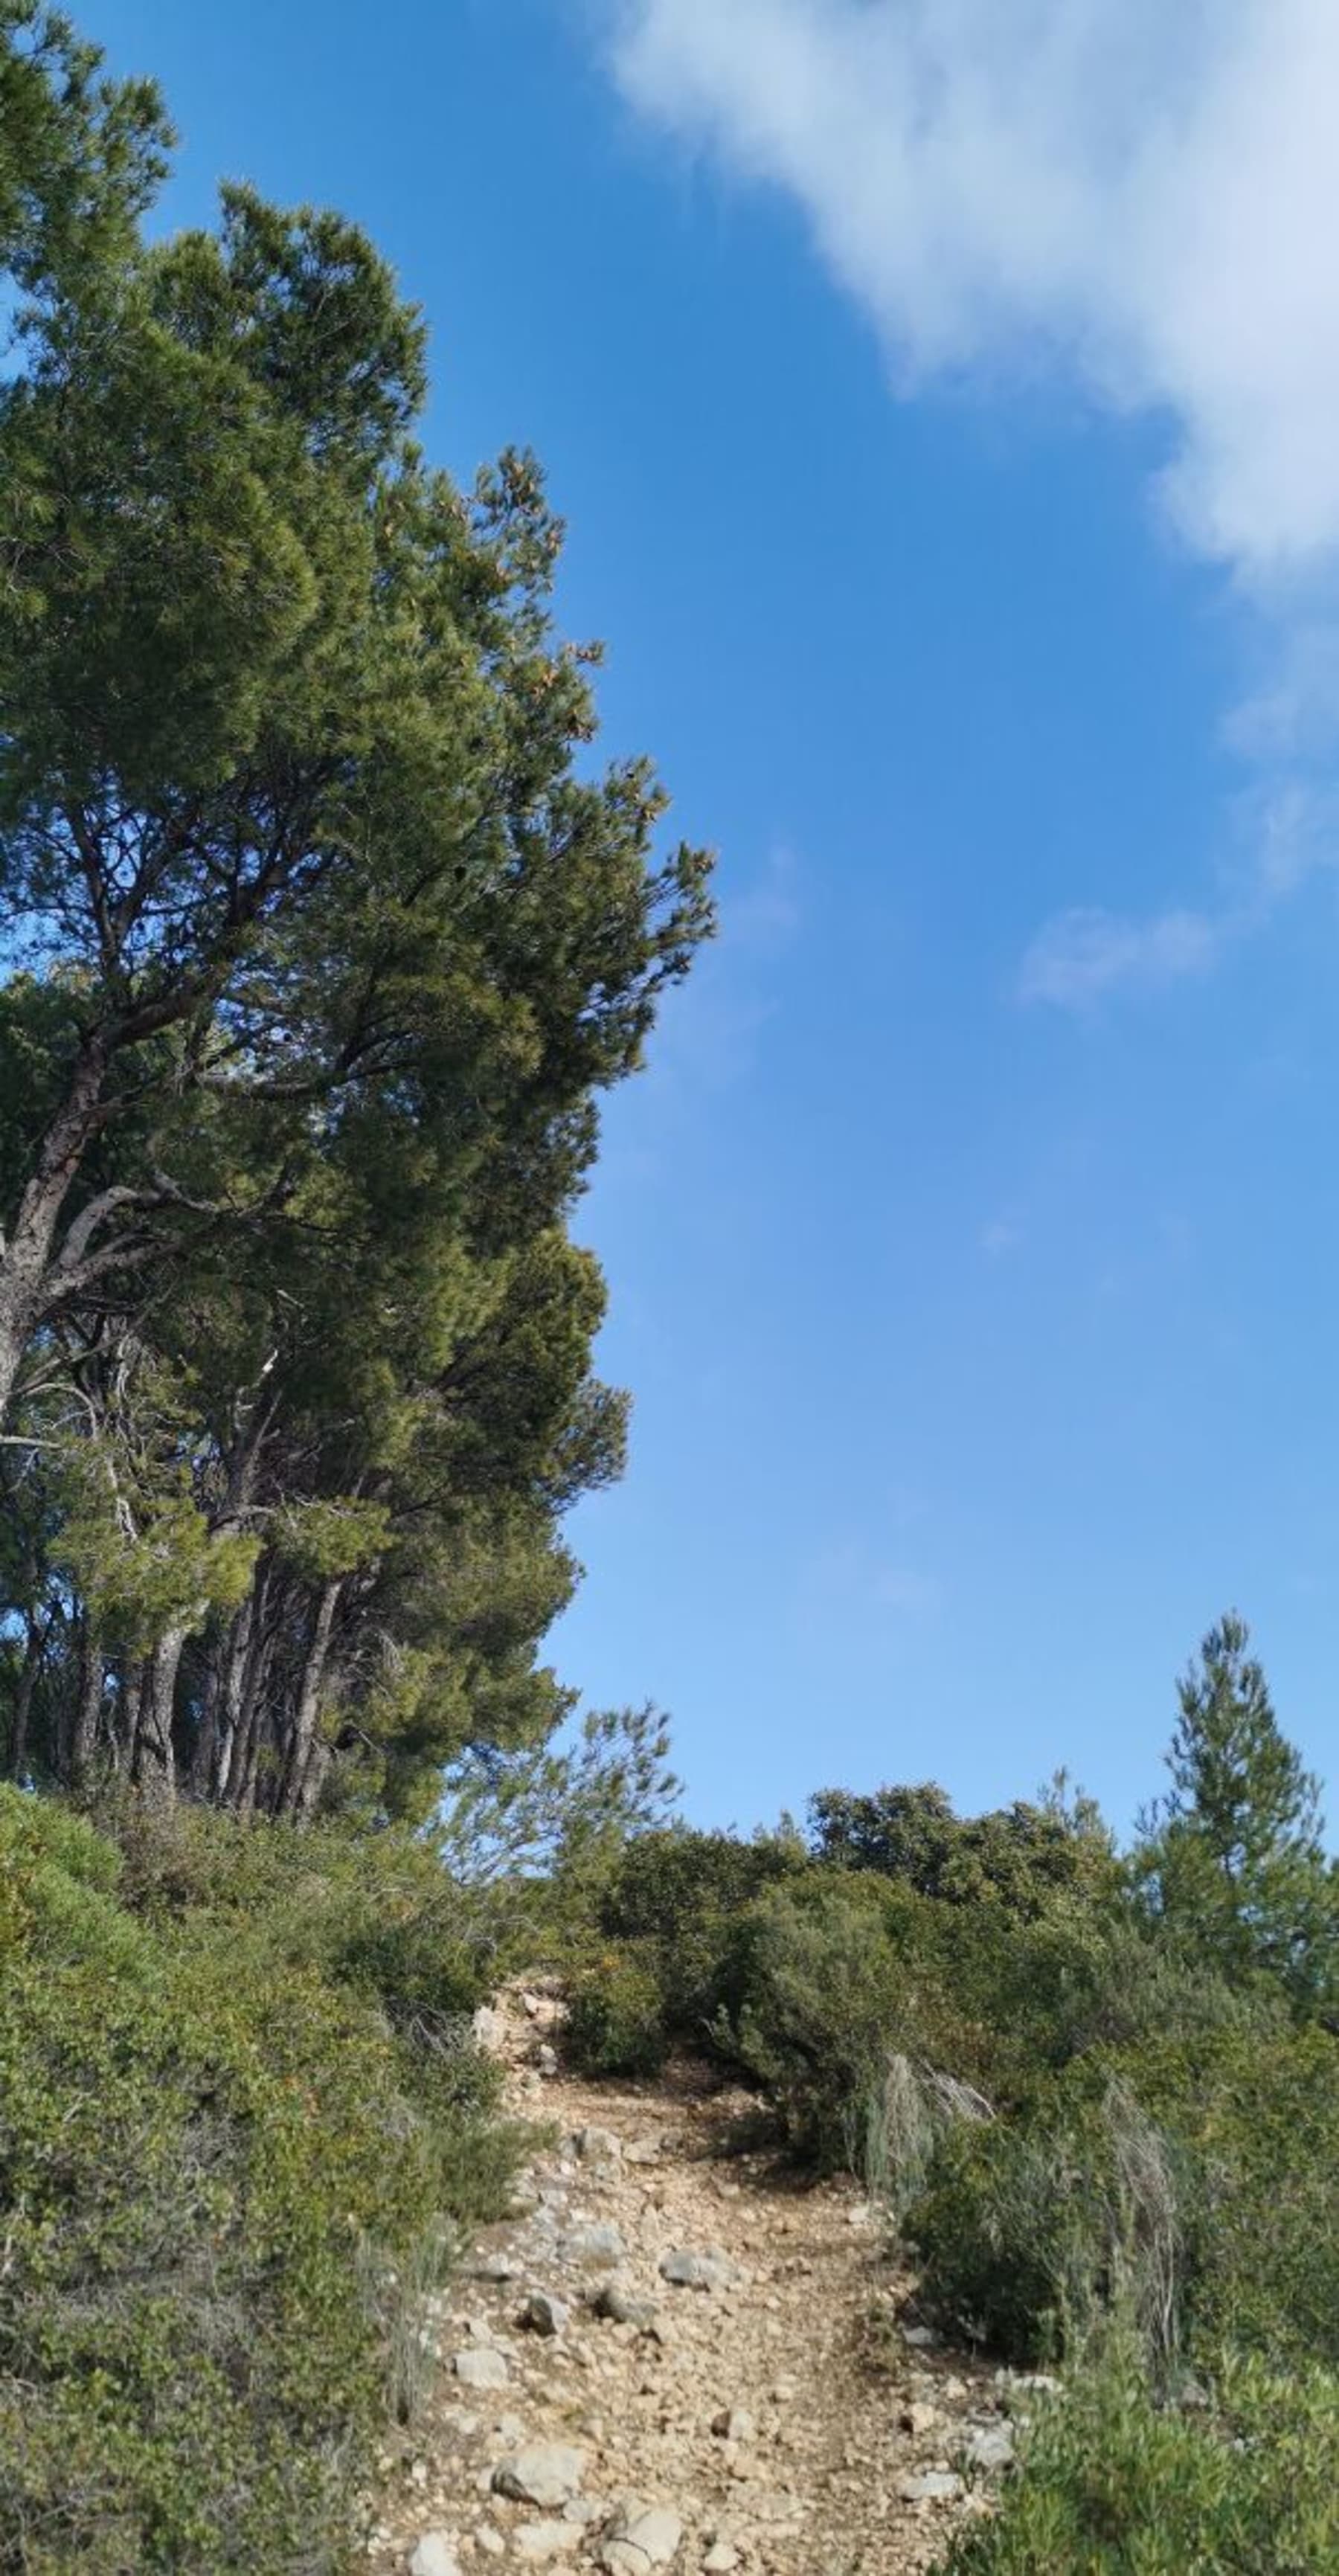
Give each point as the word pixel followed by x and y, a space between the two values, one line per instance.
pixel 598 2146
pixel 734 2424
pixel 546 2474
pixel 435 2555
pixel 539 2543
pixel 688 2271
pixel 657 2535
pixel 720 2559
pixel 482 2367
pixel 602 2244
pixel 490 2541
pixel 929 2486
pixel 990 2448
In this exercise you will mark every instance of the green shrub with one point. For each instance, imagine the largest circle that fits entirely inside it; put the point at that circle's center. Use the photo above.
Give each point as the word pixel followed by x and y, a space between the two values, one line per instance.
pixel 826 1979
pixel 677 1897
pixel 1191 2179
pixel 616 2018
pixel 218 2170
pixel 1116 2486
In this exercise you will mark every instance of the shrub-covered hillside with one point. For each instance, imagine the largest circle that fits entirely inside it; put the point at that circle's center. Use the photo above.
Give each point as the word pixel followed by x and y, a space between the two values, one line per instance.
pixel 1099 2092
pixel 241 2124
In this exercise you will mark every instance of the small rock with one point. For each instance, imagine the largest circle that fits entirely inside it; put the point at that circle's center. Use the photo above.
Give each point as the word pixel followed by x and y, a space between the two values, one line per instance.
pixel 919 2418
pixel 598 2146
pixel 435 2555
pixel 689 2271
pixel 655 2535
pixel 490 2541
pixel 543 2315
pixel 601 2244
pixel 642 2151
pixel 494 2267
pixel 734 2424
pixel 622 2306
pixel 481 2367
pixel 490 2030
pixel 929 2486
pixel 990 2448
pixel 546 2474
pixel 919 2338
pixel 546 2059
pixel 720 2559
pixel 539 2543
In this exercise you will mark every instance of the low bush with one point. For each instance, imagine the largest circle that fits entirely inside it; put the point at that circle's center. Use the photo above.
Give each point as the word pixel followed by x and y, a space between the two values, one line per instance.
pixel 1189 2181
pixel 616 2022
pixel 218 2169
pixel 1115 2485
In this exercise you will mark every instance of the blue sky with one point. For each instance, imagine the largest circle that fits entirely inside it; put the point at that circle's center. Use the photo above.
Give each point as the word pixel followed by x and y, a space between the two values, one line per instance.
pixel 945 439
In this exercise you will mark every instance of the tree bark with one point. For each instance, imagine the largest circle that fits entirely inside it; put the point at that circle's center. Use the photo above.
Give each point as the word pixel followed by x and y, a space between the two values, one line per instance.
pixel 154 1771
pixel 34 1648
pixel 293 1790
pixel 88 1711
pixel 26 1255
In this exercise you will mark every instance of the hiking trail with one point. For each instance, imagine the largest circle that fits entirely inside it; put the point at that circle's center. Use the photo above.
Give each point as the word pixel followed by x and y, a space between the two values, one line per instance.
pixel 676 2355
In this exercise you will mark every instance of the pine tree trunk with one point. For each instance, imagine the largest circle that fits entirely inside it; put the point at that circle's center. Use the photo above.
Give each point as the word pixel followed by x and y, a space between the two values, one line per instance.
pixel 294 1793
pixel 88 1711
pixel 26 1283
pixel 34 1647
pixel 155 1760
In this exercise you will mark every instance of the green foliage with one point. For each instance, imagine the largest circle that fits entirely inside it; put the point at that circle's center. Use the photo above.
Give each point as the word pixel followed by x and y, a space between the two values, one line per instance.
pixel 1116 2485
pixel 1231 1859
pixel 227 2123
pixel 1187 2184
pixel 1022 1858
pixel 341 935
pixel 616 2016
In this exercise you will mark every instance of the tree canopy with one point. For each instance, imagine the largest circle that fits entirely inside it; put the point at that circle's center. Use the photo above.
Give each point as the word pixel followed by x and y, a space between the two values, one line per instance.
pixel 324 934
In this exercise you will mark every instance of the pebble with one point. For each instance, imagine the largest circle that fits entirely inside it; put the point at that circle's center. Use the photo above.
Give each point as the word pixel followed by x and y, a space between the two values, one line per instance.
pixel 537 2544
pixel 434 2555
pixel 544 2315
pixel 688 2271
pixel 621 2305
pixel 641 2541
pixel 930 2486
pixel 546 2474
pixel 602 2244
pixel 598 2146
pixel 481 2366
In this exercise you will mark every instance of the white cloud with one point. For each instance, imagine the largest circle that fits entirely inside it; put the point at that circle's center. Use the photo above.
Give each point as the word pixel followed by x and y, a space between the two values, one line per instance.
pixel 1138 197
pixel 1144 192
pixel 1085 954
pixel 1289 832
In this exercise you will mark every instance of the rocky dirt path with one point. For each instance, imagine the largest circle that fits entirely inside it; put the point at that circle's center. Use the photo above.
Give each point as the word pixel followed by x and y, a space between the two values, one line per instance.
pixel 673 2357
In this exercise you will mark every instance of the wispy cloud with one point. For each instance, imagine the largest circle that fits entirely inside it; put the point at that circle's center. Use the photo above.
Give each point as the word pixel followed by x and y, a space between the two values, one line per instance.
pixel 1086 954
pixel 1139 196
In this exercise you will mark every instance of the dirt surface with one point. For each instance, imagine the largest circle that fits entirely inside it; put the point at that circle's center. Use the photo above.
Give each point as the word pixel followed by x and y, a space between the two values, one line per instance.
pixel 770 2415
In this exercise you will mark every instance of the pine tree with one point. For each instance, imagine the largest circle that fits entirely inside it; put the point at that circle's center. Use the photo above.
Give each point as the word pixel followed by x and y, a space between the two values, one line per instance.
pixel 1232 1858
